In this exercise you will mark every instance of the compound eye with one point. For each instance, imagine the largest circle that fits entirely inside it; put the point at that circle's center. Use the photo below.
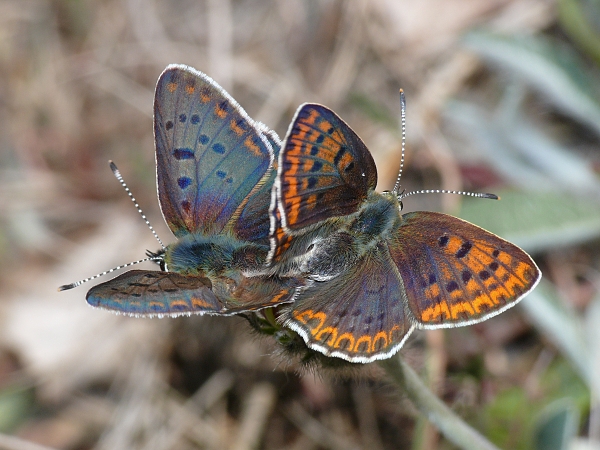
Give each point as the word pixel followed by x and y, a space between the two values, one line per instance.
pixel 313 244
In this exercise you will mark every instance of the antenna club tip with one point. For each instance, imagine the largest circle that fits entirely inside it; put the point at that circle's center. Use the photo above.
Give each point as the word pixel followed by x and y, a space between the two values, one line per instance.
pixel 492 196
pixel 113 166
pixel 66 287
pixel 402 102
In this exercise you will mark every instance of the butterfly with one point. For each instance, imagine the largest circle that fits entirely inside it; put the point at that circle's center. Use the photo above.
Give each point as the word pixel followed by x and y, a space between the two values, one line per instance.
pixel 215 171
pixel 374 273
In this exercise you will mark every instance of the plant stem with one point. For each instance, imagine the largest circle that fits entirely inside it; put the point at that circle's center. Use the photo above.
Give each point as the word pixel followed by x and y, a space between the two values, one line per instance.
pixel 450 425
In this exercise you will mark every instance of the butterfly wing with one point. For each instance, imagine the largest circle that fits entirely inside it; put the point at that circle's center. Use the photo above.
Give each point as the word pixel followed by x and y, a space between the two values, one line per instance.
pixel 280 240
pixel 456 273
pixel 359 316
pixel 325 169
pixel 153 293
pixel 210 155
pixel 253 223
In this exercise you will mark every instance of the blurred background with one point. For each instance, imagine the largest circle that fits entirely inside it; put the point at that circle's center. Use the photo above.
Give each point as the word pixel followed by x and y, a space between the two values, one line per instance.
pixel 502 97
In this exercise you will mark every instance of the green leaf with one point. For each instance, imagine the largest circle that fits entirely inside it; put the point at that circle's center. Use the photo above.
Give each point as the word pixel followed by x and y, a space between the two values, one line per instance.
pixel 536 221
pixel 556 71
pixel 560 325
pixel 437 412
pixel 511 418
pixel 15 405
pixel 520 152
pixel 557 426
pixel 577 19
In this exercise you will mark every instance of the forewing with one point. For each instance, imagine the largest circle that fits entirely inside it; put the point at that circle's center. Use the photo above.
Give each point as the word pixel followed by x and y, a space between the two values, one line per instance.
pixel 358 316
pixel 456 273
pixel 325 169
pixel 210 154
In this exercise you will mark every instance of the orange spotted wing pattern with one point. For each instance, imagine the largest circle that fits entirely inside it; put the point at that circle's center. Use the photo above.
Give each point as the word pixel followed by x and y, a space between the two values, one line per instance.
pixel 456 273
pixel 360 316
pixel 325 169
pixel 396 272
pixel 152 293
pixel 215 171
pixel 211 158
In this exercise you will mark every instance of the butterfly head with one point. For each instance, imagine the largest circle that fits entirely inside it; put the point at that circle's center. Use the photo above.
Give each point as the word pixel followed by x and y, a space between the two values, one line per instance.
pixel 158 257
pixel 398 195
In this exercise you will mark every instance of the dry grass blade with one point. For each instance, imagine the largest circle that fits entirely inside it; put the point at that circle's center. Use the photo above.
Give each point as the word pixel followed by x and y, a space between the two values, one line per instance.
pixel 77 90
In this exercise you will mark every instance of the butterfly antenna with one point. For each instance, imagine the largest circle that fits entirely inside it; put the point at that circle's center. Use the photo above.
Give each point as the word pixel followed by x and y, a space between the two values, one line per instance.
pixel 119 177
pixel 403 194
pixel 403 129
pixel 64 287
pixel 444 191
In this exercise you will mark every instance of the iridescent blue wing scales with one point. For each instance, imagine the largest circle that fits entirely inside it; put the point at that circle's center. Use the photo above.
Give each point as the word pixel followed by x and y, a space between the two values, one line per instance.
pixel 210 154
pixel 215 171
pixel 253 223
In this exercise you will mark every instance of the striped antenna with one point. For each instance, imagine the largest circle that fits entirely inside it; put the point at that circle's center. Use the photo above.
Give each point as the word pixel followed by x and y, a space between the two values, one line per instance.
pixel 403 195
pixel 444 191
pixel 403 128
pixel 65 287
pixel 119 177
pixel 151 256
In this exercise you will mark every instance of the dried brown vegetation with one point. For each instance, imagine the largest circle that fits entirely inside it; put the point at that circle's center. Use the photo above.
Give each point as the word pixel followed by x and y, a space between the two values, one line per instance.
pixel 76 89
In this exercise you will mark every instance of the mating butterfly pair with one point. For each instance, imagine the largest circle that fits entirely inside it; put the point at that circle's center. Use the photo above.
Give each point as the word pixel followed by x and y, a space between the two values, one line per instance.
pixel 262 224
